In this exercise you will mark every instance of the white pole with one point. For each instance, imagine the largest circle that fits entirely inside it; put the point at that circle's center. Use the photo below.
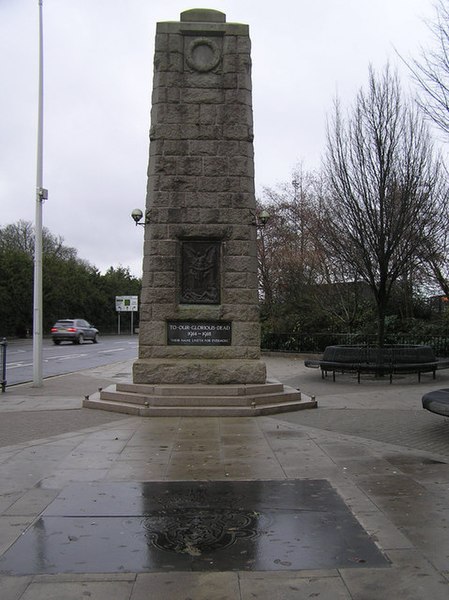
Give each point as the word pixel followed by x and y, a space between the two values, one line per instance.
pixel 37 300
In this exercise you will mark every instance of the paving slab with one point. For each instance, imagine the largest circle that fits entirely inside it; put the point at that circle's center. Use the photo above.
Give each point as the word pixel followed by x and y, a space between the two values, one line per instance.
pixel 291 586
pixel 411 578
pixel 180 586
pixel 74 590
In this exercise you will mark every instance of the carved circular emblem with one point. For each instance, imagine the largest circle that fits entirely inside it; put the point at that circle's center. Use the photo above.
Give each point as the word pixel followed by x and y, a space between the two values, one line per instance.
pixel 203 55
pixel 198 531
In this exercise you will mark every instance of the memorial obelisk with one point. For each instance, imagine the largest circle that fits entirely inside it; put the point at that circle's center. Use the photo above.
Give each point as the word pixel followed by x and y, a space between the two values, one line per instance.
pixel 199 332
pixel 199 320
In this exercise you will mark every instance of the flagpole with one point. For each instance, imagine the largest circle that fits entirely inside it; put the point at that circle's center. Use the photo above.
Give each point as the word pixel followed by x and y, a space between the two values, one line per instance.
pixel 41 195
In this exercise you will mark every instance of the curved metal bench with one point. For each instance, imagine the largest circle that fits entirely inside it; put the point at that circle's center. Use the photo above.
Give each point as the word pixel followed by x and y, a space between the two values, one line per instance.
pixel 388 360
pixel 437 402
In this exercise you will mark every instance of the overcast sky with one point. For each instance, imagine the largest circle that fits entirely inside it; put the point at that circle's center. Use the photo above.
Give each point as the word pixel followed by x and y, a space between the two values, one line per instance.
pixel 98 70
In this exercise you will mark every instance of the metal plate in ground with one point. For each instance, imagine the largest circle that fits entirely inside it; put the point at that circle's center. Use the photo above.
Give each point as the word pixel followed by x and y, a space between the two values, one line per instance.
pixel 193 526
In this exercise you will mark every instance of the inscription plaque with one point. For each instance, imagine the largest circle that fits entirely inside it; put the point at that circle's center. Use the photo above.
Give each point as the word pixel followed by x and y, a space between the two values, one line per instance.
pixel 200 272
pixel 199 333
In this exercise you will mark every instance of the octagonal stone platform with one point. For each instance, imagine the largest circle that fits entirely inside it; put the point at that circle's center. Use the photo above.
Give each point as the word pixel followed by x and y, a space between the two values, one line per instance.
pixel 147 400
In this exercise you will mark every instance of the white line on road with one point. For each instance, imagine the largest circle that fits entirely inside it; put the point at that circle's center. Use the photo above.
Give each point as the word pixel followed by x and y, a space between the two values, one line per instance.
pixel 17 365
pixel 65 357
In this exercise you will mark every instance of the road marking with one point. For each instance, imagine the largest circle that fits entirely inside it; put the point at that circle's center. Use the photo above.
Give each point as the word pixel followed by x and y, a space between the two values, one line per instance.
pixel 18 365
pixel 65 357
pixel 109 351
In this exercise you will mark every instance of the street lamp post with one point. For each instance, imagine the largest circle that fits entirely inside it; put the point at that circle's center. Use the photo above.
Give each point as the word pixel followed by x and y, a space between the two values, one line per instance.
pixel 41 195
pixel 295 184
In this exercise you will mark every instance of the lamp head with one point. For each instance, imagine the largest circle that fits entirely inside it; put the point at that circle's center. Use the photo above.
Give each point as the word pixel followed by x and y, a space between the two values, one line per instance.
pixel 137 215
pixel 264 217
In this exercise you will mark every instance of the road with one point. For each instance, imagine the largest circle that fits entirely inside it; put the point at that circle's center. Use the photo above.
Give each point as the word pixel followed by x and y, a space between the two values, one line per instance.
pixel 67 357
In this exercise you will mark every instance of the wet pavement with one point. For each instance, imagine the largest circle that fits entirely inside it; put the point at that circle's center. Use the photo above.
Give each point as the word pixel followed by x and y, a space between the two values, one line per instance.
pixel 193 526
pixel 347 501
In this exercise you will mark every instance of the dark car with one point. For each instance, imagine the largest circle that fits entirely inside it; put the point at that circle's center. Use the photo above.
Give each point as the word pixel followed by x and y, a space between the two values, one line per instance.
pixel 73 330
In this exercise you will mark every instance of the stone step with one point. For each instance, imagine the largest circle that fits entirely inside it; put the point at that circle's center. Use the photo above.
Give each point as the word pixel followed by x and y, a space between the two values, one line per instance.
pixel 201 390
pixel 197 411
pixel 114 395
pixel 127 408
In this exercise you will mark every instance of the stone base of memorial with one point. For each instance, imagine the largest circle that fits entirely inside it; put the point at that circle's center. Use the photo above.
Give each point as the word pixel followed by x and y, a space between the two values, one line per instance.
pixel 201 352
pixel 198 372
pixel 189 400
pixel 194 371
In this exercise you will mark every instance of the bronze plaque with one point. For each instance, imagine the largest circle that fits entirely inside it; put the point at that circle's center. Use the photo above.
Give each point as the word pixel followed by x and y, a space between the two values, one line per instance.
pixel 200 272
pixel 199 333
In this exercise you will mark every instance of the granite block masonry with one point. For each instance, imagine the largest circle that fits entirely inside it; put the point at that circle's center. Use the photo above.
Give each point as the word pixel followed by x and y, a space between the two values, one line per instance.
pixel 199 334
pixel 199 321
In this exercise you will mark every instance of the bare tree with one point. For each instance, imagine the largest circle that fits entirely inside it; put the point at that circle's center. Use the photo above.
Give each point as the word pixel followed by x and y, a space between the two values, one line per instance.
pixel 431 70
pixel 20 236
pixel 385 188
pixel 288 247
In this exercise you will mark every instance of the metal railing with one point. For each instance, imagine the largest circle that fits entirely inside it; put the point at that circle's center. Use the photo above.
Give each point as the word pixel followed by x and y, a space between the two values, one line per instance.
pixel 315 343
pixel 3 346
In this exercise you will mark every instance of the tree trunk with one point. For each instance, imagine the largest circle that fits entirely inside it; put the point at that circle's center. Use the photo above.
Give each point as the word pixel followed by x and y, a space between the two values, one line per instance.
pixel 381 323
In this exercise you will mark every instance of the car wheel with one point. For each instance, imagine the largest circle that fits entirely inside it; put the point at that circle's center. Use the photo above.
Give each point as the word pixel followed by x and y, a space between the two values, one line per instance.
pixel 95 339
pixel 56 342
pixel 80 339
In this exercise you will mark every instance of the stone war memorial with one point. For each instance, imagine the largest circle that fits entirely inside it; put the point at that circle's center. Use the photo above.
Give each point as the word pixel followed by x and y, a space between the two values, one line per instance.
pixel 199 336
